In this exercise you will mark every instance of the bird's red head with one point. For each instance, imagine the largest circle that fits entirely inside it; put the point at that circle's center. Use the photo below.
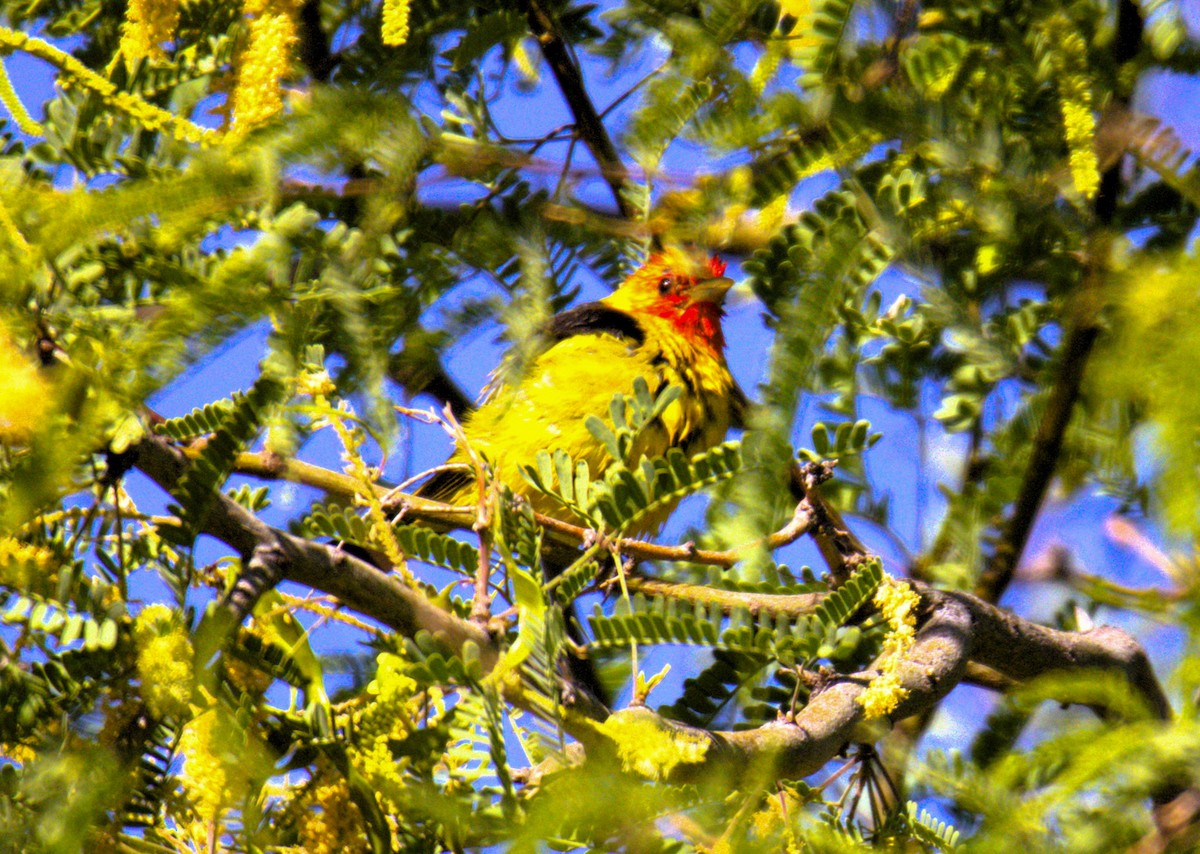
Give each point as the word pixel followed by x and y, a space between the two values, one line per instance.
pixel 679 286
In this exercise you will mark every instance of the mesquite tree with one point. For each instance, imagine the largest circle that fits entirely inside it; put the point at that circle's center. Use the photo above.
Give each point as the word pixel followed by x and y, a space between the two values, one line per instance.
pixel 194 658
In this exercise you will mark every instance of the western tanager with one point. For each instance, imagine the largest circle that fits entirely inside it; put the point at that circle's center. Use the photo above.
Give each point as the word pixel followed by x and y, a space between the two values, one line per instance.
pixel 663 324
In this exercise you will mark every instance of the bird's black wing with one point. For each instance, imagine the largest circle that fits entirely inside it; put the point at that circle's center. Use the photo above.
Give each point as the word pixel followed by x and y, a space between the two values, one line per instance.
pixel 591 318
pixel 443 485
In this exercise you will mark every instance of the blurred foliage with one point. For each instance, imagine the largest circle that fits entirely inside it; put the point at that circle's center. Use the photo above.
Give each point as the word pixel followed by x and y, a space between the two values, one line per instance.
pixel 204 168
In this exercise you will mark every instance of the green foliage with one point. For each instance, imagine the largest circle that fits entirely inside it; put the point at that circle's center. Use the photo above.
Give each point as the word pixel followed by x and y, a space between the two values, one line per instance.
pixel 347 526
pixel 775 636
pixel 908 189
pixel 213 464
pixel 631 489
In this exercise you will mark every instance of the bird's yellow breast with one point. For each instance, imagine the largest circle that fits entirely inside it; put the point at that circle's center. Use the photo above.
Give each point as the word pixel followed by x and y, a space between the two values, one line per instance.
pixel 577 377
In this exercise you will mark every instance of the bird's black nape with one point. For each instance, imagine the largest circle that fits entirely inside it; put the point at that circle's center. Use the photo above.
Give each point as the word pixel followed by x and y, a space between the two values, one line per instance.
pixel 592 318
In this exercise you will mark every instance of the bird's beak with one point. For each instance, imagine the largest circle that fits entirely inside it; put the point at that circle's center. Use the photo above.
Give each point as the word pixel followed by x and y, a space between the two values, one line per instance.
pixel 710 290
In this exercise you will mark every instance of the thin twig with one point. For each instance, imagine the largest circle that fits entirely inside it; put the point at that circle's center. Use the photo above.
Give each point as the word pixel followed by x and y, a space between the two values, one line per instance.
pixel 1076 349
pixel 587 120
pixel 448 516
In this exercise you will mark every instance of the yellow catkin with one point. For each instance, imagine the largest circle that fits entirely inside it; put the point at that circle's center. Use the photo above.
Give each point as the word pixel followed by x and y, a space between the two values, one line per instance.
pixel 204 779
pixel 148 23
pixel 897 603
pixel 27 567
pixel 648 746
pixel 1080 126
pixel 1068 58
pixel 267 59
pixel 224 762
pixel 386 716
pixel 330 822
pixel 395 22
pixel 352 440
pixel 164 661
pixel 8 97
pixel 75 72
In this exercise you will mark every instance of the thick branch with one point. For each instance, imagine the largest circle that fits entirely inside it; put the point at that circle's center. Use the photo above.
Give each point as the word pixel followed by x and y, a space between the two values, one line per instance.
pixel 793 749
pixel 1022 650
pixel 960 633
pixel 272 555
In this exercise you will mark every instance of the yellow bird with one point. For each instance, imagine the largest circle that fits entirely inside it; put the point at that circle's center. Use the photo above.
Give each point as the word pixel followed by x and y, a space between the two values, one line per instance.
pixel 662 324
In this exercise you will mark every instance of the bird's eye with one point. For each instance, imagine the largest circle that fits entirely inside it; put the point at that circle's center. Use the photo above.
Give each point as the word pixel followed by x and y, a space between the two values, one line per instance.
pixel 664 285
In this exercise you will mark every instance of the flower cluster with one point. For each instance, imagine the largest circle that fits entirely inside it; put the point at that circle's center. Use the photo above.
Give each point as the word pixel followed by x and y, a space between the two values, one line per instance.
pixel 164 661
pixel 206 780
pixel 148 23
pixel 395 22
pixel 897 603
pixel 330 822
pixel 1069 60
pixel 266 60
pixel 224 762
pixel 385 717
pixel 75 72
pixel 649 746
pixel 24 566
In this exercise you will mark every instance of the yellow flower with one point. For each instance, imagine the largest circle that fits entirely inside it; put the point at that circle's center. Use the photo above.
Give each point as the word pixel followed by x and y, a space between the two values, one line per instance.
pixel 204 780
pixel 25 566
pixel 649 746
pixel 395 22
pixel 386 716
pixel 222 762
pixel 164 661
pixel 258 96
pixel 897 604
pixel 1080 127
pixel 148 23
pixel 75 72
pixel 330 822
pixel 315 383
pixel 1069 63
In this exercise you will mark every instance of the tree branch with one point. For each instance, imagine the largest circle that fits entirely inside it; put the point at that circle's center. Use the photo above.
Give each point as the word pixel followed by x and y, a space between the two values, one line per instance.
pixel 790 605
pixel 960 633
pixel 1043 459
pixel 1075 350
pixel 562 534
pixel 961 637
pixel 587 120
pixel 272 555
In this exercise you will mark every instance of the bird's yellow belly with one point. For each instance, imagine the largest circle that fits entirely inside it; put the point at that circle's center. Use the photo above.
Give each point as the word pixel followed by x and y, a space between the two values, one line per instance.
pixel 577 378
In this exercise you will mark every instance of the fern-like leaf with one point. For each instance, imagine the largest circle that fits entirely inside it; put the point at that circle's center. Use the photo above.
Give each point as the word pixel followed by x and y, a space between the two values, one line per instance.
pixel 198 487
